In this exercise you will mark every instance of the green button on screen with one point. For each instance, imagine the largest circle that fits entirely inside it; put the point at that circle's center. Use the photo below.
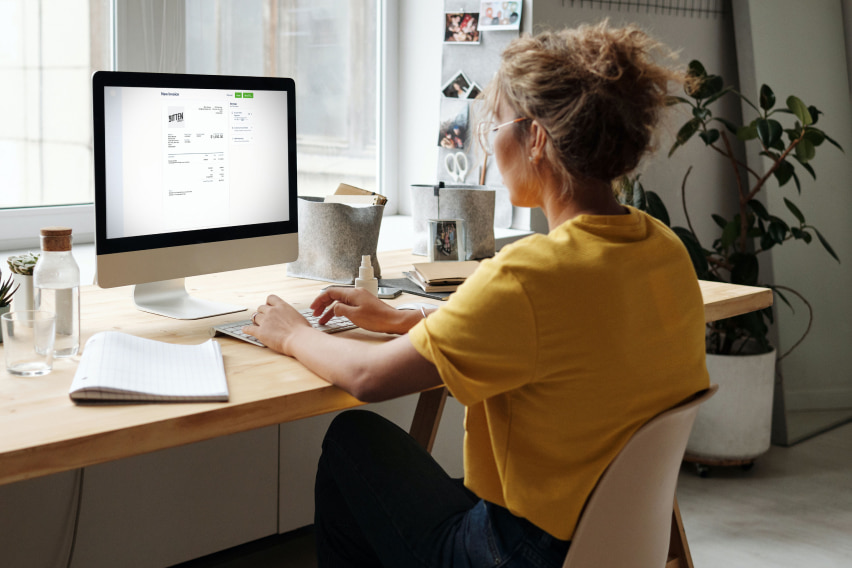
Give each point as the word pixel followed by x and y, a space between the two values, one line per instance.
pixel 238 95
pixel 248 95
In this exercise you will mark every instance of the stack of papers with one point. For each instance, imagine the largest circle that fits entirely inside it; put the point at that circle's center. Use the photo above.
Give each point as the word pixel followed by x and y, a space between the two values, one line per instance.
pixel 352 195
pixel 441 276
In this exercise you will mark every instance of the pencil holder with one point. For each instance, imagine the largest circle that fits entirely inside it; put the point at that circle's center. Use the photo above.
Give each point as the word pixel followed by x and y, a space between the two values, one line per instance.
pixel 332 239
pixel 473 204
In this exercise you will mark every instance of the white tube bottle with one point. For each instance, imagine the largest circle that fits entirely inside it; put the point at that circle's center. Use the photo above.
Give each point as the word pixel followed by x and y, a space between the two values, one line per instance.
pixel 365 279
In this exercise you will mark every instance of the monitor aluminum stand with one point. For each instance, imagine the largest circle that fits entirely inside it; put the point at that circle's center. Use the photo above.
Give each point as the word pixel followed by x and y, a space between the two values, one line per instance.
pixel 170 298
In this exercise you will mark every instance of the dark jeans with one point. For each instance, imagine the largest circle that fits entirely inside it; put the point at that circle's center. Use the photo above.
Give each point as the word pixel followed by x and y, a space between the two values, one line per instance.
pixel 381 500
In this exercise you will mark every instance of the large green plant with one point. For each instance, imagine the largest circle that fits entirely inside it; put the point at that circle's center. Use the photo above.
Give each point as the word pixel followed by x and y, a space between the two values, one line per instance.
pixel 734 255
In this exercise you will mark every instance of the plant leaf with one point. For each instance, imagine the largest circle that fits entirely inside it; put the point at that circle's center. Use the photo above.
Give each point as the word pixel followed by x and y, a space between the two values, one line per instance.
pixel 767 97
pixel 800 110
pixel 701 113
pixel 814 112
pixel 721 221
pixel 732 128
pixel 673 100
pixel 833 142
pixel 778 231
pixel 805 150
pixel 784 172
pixel 656 208
pixel 746 133
pixel 768 131
pixel 758 209
pixel 696 253
pixel 730 233
pixel 815 135
pixel 709 136
pixel 797 213
pixel 825 244
pixel 685 133
pixel 745 269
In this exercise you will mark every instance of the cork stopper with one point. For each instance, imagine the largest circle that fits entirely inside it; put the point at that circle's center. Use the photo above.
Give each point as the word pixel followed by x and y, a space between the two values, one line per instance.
pixel 55 239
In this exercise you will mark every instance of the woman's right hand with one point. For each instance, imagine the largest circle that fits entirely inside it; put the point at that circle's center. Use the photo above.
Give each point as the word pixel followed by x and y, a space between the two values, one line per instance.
pixel 364 310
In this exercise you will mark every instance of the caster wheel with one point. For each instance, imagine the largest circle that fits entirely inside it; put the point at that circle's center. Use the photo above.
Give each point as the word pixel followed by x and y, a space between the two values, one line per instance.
pixel 747 466
pixel 702 470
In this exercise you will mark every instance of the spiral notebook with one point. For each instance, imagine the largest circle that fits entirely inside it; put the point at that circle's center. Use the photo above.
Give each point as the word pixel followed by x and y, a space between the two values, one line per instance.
pixel 117 367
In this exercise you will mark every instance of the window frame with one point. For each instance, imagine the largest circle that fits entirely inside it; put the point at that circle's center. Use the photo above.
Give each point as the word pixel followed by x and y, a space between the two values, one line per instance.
pixel 27 221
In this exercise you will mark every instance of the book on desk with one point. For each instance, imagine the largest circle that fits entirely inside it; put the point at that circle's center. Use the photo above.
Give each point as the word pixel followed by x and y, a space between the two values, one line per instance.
pixel 441 276
pixel 117 367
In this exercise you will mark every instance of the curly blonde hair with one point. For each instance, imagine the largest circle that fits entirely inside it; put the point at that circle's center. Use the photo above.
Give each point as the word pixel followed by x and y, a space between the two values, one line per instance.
pixel 596 90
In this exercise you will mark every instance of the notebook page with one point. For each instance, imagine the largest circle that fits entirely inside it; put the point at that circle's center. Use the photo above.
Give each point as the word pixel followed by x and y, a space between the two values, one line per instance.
pixel 114 363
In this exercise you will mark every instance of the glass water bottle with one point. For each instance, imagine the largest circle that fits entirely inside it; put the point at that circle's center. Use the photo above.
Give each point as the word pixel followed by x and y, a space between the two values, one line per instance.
pixel 56 288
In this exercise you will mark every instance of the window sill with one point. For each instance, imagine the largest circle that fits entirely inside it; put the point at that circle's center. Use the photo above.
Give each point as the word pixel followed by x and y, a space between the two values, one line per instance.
pixel 395 234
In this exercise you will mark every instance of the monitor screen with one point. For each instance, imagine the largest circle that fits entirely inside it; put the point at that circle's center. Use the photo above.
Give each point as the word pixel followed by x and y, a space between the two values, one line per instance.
pixel 194 174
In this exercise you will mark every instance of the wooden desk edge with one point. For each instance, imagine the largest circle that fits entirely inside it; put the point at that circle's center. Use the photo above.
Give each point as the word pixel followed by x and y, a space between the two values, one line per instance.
pixel 745 299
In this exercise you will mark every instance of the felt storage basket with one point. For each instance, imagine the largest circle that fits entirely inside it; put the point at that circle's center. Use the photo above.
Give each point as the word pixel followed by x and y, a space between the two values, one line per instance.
pixel 472 203
pixel 332 238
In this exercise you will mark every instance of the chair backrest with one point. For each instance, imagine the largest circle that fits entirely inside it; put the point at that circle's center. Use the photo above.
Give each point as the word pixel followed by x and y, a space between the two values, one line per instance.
pixel 627 519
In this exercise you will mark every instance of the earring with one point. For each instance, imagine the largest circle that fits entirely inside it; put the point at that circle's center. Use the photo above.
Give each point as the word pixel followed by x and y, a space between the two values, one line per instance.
pixel 531 158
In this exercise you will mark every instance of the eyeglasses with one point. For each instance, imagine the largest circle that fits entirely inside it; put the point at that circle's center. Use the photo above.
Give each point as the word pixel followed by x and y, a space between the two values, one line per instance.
pixel 486 133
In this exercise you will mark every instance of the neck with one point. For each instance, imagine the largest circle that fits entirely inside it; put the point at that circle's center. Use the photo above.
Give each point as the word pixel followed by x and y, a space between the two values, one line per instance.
pixel 590 198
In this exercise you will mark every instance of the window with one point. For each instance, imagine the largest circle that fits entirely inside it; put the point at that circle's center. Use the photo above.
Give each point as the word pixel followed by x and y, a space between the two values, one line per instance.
pixel 49 49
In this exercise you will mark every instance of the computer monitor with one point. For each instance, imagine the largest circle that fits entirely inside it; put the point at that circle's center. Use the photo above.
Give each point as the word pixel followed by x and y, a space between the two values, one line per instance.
pixel 194 174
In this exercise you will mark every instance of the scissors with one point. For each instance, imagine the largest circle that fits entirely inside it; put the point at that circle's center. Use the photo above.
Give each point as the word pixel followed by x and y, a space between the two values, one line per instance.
pixel 456 166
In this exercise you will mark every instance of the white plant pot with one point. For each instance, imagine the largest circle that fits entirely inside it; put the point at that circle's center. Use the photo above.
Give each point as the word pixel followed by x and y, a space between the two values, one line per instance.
pixel 736 424
pixel 23 298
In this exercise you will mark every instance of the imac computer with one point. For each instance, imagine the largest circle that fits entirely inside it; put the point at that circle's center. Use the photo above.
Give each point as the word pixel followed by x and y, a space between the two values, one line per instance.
pixel 194 174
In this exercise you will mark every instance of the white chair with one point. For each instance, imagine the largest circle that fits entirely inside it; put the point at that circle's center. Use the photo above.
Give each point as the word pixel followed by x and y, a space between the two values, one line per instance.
pixel 631 516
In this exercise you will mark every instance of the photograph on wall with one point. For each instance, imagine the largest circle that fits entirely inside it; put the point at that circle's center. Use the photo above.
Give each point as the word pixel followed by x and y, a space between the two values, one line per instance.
pixel 500 15
pixel 462 27
pixel 457 87
pixel 474 91
pixel 452 132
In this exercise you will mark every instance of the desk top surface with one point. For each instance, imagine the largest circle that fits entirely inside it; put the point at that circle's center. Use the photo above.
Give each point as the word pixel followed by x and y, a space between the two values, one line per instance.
pixel 42 431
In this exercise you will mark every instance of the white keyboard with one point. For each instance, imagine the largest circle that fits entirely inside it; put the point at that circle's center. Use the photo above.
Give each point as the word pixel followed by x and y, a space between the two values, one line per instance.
pixel 235 329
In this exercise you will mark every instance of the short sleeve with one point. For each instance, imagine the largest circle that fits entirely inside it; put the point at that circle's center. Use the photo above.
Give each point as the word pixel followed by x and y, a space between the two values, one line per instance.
pixel 483 340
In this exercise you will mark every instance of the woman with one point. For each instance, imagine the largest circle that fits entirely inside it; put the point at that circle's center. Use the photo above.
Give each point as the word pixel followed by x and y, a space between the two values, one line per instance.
pixel 560 347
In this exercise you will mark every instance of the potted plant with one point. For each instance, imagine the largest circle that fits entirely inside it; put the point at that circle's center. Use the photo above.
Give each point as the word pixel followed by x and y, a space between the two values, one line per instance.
pixel 7 290
pixel 735 427
pixel 22 267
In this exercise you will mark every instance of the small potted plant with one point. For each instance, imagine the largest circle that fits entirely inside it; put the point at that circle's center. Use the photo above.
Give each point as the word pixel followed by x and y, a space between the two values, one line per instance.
pixel 22 267
pixel 7 290
pixel 735 426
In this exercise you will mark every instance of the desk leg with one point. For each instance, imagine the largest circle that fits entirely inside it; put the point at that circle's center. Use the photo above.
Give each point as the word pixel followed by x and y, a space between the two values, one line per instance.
pixel 427 416
pixel 679 556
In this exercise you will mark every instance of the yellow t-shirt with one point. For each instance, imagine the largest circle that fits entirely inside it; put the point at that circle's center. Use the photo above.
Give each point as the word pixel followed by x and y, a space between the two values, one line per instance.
pixel 561 347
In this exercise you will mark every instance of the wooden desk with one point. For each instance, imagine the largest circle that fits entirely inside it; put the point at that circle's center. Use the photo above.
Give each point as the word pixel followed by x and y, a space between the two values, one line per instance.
pixel 43 432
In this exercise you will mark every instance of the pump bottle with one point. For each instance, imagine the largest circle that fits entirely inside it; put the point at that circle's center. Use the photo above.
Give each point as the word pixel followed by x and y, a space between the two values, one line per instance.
pixel 365 279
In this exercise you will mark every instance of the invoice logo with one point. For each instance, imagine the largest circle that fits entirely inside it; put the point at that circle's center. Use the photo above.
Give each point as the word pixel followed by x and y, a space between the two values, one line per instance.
pixel 175 117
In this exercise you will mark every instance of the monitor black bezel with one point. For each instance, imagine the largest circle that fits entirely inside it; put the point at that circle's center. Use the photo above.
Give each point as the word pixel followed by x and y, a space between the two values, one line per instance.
pixel 102 79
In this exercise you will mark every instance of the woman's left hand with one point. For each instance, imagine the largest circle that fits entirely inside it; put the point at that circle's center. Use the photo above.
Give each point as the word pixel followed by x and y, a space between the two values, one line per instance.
pixel 274 324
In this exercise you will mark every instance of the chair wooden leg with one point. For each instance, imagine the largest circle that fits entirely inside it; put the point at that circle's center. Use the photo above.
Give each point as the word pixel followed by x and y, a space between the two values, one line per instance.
pixel 679 556
pixel 427 416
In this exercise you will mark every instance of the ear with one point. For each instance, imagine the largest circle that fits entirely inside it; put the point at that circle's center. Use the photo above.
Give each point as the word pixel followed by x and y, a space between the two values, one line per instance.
pixel 537 142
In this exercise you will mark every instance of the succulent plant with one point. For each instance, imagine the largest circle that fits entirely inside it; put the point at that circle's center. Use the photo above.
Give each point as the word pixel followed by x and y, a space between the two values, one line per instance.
pixel 23 263
pixel 7 290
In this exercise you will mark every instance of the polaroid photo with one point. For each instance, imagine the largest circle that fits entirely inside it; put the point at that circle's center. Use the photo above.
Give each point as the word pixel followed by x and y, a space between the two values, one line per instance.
pixel 461 27
pixel 500 15
pixel 453 128
pixel 474 91
pixel 457 87
pixel 446 237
